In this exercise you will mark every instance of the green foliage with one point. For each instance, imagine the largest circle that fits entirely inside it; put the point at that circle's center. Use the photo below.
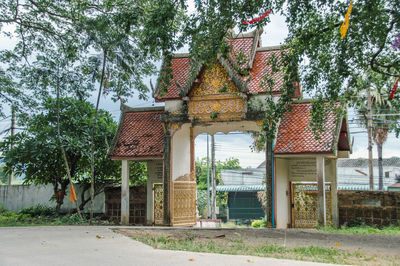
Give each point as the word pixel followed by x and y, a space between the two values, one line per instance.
pixel 70 219
pixel 36 153
pixel 360 228
pixel 3 175
pixel 201 201
pixel 38 210
pixel 380 87
pixel 252 246
pixel 201 170
pixel 259 223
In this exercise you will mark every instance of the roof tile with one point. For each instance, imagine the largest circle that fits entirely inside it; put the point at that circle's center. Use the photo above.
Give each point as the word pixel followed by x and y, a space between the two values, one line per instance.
pixel 180 73
pixel 261 69
pixel 141 136
pixel 295 134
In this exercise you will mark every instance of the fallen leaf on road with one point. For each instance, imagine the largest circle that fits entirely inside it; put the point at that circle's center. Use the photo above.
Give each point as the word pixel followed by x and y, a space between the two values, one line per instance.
pixel 337 244
pixel 251 261
pixel 191 259
pixel 97 236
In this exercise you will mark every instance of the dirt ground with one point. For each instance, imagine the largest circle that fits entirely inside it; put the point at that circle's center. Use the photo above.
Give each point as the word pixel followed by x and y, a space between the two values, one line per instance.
pixel 378 244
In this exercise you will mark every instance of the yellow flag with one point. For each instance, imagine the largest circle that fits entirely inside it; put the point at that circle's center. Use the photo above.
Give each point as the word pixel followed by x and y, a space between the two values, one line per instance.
pixel 345 24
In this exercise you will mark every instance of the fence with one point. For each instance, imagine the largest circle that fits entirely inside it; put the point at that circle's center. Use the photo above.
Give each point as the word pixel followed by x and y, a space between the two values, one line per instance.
pixel 379 208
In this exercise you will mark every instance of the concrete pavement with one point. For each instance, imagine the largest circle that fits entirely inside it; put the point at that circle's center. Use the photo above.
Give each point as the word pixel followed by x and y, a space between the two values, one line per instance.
pixel 94 245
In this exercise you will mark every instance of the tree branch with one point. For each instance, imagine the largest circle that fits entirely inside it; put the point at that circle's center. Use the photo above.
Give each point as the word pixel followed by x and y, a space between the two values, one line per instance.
pixel 373 61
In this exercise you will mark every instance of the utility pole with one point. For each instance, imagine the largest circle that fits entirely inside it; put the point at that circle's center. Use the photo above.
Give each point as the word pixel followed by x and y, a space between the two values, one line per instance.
pixel 369 126
pixel 11 177
pixel 208 180
pixel 213 179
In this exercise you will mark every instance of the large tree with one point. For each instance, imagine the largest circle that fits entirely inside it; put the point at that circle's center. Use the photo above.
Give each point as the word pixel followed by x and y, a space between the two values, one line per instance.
pixel 36 150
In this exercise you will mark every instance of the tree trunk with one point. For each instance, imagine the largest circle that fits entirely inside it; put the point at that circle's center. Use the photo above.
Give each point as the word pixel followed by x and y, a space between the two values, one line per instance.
pixel 92 137
pixel 380 165
pixel 60 196
pixel 62 149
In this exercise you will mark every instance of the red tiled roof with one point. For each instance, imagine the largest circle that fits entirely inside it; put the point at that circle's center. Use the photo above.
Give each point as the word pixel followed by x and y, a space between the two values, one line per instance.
pixel 262 68
pixel 295 134
pixel 243 45
pixel 141 135
pixel 180 73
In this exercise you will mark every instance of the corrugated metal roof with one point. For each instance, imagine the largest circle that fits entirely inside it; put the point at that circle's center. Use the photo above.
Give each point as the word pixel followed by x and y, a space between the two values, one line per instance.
pixel 363 162
pixel 239 188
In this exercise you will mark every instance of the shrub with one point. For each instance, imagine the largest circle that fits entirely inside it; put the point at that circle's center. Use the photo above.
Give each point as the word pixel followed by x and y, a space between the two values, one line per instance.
pixel 70 219
pixel 259 223
pixel 38 210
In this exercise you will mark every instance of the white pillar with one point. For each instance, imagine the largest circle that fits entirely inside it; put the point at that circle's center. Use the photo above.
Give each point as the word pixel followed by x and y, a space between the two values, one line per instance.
pixel 125 193
pixel 321 190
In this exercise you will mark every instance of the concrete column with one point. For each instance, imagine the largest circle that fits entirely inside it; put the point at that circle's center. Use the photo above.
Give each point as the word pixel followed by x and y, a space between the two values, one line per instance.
pixel 321 190
pixel 335 208
pixel 192 153
pixel 125 192
pixel 166 177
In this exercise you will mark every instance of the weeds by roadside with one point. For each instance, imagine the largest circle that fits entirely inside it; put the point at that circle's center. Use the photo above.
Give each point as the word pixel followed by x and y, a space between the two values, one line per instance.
pixel 362 230
pixel 244 247
pixel 42 215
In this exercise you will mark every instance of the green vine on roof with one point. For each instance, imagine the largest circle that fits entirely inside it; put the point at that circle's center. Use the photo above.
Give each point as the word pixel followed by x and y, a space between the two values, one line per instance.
pixel 274 109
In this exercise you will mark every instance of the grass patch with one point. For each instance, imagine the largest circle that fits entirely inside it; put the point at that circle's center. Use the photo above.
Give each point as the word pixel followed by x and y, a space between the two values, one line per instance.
pixel 41 215
pixel 194 243
pixel 362 230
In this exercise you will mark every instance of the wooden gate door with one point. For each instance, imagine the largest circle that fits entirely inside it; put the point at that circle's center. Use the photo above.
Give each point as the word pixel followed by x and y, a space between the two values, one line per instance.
pixel 183 207
pixel 304 203
pixel 158 205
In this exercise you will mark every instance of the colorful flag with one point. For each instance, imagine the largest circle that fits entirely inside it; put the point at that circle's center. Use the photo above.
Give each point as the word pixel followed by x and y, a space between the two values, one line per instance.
pixel 254 20
pixel 345 24
pixel 394 89
pixel 72 195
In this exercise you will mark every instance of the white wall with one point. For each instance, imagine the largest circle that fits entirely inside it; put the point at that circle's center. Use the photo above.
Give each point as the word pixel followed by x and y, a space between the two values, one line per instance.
pixel 173 105
pixel 181 152
pixel 297 170
pixel 347 176
pixel 225 127
pixel 16 197
pixel 154 175
pixel 282 193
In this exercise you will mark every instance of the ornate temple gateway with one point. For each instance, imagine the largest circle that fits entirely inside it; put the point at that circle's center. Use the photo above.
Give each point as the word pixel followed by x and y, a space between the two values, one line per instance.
pixel 216 98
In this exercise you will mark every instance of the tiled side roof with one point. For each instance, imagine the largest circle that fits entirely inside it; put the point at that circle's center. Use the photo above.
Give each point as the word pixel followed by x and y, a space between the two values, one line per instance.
pixel 243 45
pixel 262 68
pixel 180 73
pixel 295 134
pixel 140 136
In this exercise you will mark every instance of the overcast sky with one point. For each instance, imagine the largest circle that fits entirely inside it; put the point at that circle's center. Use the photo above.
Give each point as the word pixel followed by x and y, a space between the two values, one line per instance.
pixel 238 145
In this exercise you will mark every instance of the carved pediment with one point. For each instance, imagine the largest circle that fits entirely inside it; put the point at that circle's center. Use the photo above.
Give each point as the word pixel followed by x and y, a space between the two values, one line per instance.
pixel 216 97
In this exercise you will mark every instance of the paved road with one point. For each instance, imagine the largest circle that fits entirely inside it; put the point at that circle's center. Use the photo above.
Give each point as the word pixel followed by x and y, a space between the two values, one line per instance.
pixel 83 245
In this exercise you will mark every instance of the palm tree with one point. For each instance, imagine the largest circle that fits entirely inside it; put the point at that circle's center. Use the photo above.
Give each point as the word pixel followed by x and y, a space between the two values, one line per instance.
pixel 385 118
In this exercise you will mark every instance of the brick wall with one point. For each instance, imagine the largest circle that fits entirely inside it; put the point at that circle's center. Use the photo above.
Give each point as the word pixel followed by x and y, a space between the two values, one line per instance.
pixel 137 204
pixel 379 208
